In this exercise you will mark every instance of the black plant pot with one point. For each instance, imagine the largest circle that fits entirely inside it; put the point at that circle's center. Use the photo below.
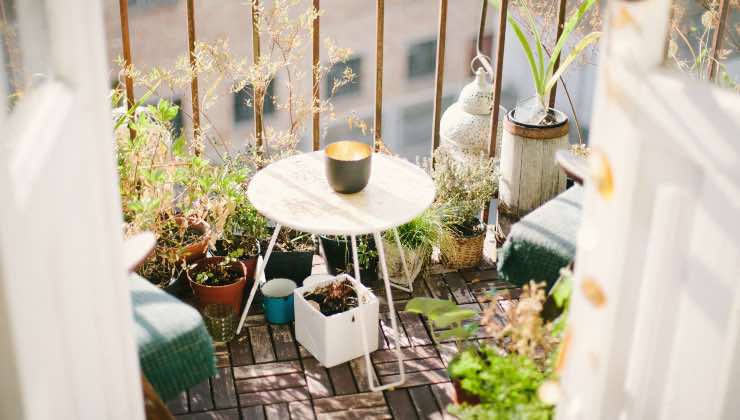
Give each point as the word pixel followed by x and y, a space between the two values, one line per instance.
pixel 338 255
pixel 294 265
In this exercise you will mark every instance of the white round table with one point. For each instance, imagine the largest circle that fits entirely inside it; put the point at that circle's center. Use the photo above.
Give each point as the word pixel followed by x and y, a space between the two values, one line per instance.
pixel 294 192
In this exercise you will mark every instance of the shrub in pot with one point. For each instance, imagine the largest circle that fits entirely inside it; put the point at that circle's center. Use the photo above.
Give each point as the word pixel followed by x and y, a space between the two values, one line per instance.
pixel 464 188
pixel 533 132
pixel 418 238
pixel 292 256
pixel 338 256
pixel 328 318
pixel 242 231
pixel 219 280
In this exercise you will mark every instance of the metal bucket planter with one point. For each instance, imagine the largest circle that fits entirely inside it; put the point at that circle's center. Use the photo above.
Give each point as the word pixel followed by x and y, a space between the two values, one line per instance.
pixel 529 174
pixel 338 338
pixel 277 300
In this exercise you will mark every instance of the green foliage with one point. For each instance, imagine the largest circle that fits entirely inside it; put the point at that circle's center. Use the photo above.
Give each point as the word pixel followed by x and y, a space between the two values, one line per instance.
pixel 420 234
pixel 542 68
pixel 443 314
pixel 506 384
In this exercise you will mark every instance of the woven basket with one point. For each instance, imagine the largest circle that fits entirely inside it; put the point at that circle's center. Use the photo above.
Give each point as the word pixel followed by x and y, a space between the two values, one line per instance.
pixel 463 252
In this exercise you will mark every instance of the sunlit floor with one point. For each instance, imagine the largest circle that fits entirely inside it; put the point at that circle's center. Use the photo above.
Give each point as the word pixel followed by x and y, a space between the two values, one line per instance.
pixel 265 374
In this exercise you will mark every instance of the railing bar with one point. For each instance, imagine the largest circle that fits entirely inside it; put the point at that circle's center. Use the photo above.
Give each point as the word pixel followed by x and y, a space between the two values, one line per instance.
pixel 498 76
pixel 379 28
pixel 194 82
pixel 258 97
pixel 315 35
pixel 439 72
pixel 724 6
pixel 126 41
pixel 561 23
pixel 482 29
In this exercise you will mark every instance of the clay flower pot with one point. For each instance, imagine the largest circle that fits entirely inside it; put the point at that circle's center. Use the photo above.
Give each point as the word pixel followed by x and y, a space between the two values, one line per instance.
pixel 228 294
pixel 195 250
pixel 462 396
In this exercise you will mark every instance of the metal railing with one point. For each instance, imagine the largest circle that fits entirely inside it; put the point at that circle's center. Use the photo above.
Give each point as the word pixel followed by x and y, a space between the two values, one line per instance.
pixel 498 62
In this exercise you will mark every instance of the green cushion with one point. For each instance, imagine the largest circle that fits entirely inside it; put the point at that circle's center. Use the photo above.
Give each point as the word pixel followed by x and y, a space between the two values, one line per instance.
pixel 542 242
pixel 175 349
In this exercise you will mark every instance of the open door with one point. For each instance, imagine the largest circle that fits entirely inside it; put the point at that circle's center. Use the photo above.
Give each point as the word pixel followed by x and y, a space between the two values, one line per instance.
pixel 655 318
pixel 66 338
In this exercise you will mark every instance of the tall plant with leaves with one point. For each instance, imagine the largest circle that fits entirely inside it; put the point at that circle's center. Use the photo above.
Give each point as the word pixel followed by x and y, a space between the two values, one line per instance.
pixel 542 64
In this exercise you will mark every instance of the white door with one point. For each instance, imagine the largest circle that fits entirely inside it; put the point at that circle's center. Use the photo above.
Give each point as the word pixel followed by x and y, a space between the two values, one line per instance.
pixel 66 344
pixel 655 321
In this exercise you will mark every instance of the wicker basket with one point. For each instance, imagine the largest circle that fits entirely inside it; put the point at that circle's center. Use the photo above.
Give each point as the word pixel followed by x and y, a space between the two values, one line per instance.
pixel 463 252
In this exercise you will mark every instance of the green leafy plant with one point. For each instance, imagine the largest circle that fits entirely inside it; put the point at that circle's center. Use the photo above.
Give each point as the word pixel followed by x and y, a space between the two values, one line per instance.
pixel 220 274
pixel 445 314
pixel 542 65
pixel 507 385
pixel 422 233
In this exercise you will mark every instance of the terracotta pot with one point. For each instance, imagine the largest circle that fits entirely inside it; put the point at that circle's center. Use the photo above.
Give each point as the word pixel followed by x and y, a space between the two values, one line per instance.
pixel 229 294
pixel 196 250
pixel 462 396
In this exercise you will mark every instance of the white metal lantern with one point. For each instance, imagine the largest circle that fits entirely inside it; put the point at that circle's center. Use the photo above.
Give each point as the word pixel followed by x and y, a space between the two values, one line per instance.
pixel 465 127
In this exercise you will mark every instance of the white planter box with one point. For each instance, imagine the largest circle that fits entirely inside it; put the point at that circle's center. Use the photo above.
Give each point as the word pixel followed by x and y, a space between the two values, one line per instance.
pixel 336 339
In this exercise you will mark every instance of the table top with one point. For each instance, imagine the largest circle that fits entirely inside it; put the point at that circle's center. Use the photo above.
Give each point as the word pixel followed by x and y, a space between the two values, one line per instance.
pixel 576 167
pixel 294 192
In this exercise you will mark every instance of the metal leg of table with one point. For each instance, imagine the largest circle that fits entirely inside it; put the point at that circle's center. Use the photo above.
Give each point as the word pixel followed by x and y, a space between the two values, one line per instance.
pixel 409 280
pixel 257 276
pixel 394 322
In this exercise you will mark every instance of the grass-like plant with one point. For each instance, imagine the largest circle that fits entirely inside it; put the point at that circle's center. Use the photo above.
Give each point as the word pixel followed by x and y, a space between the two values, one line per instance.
pixel 542 64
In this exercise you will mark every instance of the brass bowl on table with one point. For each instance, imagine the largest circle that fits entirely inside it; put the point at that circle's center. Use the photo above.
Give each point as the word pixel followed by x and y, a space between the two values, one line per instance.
pixel 348 165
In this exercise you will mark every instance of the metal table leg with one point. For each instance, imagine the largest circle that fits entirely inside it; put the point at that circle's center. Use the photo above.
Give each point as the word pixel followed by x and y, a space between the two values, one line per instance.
pixel 257 276
pixel 394 322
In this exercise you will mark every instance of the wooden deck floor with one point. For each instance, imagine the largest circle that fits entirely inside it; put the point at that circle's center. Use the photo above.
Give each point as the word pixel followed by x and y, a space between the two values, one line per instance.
pixel 265 374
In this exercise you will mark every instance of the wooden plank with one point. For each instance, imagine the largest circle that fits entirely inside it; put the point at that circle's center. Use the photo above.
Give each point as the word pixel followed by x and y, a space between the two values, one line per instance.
pixel 459 288
pixel 300 410
pixel 424 402
pixel 480 275
pixel 447 352
pixel 444 394
pixel 407 353
pixel 375 413
pixel 415 330
pixel 277 411
pixel 179 404
pixel 277 368
pixel 285 345
pixel 418 365
pixel 261 344
pixel 256 412
pixel 224 393
pixel 385 325
pixel 317 379
pixel 230 414
pixel 438 287
pixel 341 377
pixel 274 396
pixel 266 383
pixel 359 371
pixel 346 402
pixel 200 397
pixel 400 404
pixel 241 350
pixel 419 378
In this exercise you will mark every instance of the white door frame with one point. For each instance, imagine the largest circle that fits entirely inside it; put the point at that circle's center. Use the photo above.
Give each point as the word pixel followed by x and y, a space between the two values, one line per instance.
pixel 655 319
pixel 66 335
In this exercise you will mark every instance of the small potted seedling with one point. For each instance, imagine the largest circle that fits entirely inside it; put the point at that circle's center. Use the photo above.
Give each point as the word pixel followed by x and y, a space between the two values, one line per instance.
pixel 331 317
pixel 218 280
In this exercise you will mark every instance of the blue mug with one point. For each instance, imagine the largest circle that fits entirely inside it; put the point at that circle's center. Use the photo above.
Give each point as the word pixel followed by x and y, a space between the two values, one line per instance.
pixel 278 300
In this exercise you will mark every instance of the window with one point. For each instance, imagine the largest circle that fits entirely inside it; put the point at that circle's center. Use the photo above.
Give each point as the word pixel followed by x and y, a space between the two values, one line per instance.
pixel 244 104
pixel 422 59
pixel 337 72
pixel 486 49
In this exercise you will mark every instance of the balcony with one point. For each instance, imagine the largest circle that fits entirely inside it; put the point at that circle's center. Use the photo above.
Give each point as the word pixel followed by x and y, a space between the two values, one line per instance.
pixel 470 209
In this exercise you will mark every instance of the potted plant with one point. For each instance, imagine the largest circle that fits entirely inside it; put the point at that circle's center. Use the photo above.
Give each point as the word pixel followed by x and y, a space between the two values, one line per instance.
pixel 338 256
pixel 331 318
pixel 463 189
pixel 532 131
pixel 292 256
pixel 218 280
pixel 418 238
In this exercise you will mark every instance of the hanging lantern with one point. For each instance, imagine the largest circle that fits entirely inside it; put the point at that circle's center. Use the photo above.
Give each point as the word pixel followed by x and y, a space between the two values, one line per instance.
pixel 465 127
